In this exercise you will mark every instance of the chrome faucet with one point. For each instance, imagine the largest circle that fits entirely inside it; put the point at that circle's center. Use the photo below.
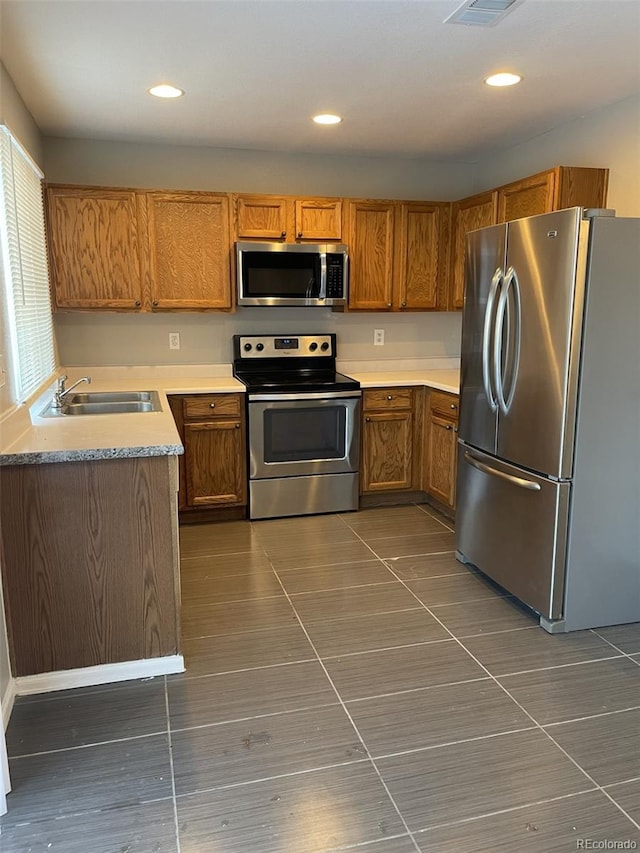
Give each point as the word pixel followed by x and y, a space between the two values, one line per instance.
pixel 61 392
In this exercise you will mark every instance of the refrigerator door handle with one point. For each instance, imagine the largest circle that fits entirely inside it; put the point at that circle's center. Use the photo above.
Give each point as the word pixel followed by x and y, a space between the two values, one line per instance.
pixel 510 281
pixel 501 366
pixel 495 472
pixel 486 339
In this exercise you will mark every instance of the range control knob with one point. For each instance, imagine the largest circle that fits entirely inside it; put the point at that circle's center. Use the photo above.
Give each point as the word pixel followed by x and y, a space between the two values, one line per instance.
pixel 248 347
pixel 313 346
pixel 259 347
pixel 324 347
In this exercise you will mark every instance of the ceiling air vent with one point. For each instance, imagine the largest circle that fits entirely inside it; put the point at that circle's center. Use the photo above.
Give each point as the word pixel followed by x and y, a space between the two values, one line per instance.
pixel 481 13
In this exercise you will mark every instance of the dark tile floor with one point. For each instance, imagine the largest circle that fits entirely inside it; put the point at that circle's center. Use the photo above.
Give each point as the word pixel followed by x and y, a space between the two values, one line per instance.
pixel 349 686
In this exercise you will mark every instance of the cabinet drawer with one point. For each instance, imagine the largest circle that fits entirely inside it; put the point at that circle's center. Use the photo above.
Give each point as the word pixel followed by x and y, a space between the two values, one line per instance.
pixel 381 399
pixel 445 405
pixel 210 405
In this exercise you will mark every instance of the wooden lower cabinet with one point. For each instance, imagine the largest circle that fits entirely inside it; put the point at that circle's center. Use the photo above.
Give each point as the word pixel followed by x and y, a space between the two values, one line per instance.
pixel 213 472
pixel 390 440
pixel 441 447
pixel 89 556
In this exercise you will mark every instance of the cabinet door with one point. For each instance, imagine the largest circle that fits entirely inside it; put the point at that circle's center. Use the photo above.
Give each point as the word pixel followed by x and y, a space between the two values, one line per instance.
pixel 467 215
pixel 318 220
pixel 262 216
pixel 94 247
pixel 214 463
pixel 370 234
pixel 387 451
pixel 188 246
pixel 528 197
pixel 422 250
pixel 581 187
pixel 442 459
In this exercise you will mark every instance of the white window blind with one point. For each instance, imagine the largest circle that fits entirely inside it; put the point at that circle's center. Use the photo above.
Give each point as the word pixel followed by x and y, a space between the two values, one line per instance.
pixel 24 259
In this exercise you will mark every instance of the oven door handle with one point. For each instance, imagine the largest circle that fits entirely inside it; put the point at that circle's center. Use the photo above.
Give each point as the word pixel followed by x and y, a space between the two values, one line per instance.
pixel 293 398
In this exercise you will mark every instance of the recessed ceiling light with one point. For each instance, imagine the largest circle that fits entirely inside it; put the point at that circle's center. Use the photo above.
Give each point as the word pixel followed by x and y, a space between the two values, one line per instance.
pixel 503 79
pixel 327 118
pixel 164 90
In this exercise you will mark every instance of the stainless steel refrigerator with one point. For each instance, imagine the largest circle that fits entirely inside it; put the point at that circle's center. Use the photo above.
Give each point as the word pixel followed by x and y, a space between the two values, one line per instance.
pixel 549 438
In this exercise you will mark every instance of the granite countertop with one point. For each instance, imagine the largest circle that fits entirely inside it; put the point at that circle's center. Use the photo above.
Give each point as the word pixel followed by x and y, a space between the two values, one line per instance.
pixel 32 439
pixel 28 438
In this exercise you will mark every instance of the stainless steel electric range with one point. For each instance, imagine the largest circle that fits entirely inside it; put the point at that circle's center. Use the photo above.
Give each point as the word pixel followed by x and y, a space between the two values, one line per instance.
pixel 304 425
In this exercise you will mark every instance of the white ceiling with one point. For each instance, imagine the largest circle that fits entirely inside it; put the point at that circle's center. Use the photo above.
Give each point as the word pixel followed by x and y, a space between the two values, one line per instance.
pixel 255 71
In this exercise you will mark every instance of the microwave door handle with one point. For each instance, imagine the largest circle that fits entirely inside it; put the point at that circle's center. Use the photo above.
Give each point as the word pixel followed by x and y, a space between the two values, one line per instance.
pixel 323 276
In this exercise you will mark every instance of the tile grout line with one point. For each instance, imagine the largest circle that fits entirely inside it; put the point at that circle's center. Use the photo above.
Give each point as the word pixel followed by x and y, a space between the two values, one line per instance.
pixel 513 699
pixel 350 718
pixel 76 747
pixel 629 655
pixel 173 775
pixel 431 515
pixel 506 811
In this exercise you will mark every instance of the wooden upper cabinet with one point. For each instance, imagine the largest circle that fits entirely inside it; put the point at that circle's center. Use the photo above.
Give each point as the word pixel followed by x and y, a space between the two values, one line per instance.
pixel 369 235
pixel 318 220
pixel 421 245
pixel 469 214
pixel 267 217
pixel 262 216
pixel 94 247
pixel 555 189
pixel 188 250
pixel 528 197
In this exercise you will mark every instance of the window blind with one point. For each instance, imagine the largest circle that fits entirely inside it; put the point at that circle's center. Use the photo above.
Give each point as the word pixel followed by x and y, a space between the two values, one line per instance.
pixel 24 259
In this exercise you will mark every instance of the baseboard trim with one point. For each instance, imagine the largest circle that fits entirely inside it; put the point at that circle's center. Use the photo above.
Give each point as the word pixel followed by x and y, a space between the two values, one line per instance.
pixel 7 702
pixel 46 682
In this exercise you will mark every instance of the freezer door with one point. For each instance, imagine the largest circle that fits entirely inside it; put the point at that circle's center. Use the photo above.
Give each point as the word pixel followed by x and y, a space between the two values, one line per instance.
pixel 484 270
pixel 512 525
pixel 537 336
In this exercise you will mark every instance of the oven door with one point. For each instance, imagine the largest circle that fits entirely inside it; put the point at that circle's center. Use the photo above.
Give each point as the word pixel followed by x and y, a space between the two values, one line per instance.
pixel 303 434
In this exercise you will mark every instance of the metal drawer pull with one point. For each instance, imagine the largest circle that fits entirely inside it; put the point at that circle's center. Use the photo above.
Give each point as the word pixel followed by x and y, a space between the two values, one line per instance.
pixel 487 469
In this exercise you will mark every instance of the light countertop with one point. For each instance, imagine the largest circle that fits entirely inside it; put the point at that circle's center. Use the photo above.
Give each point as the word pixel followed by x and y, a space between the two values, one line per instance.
pixel 31 439
pixel 443 380
pixel 38 439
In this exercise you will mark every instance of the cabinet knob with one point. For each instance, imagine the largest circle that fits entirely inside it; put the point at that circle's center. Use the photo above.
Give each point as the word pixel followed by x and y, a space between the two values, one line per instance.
pixel 404 304
pixel 367 420
pixel 453 406
pixel 448 426
pixel 389 397
pixel 155 303
pixel 283 233
pixel 455 429
pixel 300 235
pixel 212 405
pixel 138 303
pixel 237 426
pixel 388 305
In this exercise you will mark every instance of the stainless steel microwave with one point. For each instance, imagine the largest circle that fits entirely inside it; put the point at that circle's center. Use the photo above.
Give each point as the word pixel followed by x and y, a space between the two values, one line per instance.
pixel 289 274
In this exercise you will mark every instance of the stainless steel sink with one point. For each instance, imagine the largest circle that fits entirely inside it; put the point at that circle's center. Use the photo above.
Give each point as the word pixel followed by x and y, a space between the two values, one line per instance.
pixel 113 397
pixel 106 403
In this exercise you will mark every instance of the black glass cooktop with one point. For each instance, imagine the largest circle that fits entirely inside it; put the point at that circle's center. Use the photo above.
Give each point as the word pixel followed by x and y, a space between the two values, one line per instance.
pixel 296 382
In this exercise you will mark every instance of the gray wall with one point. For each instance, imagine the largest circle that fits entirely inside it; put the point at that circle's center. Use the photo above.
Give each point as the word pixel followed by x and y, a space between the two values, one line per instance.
pixel 608 137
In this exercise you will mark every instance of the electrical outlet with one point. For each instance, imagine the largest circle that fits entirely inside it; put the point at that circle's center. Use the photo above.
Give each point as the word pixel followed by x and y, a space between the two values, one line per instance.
pixel 378 337
pixel 174 340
